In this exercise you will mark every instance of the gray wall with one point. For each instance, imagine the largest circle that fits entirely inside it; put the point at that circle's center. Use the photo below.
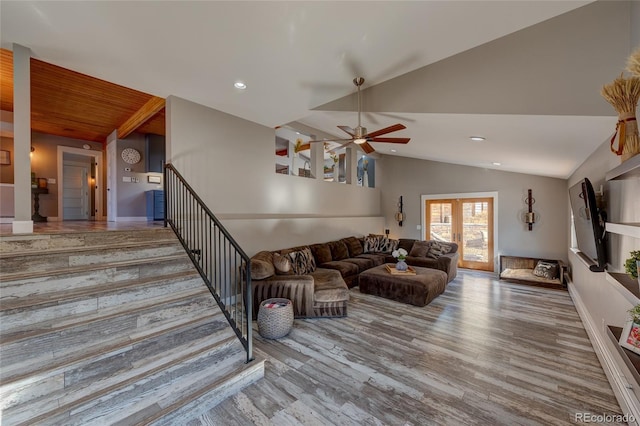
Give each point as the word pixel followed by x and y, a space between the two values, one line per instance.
pixel 131 195
pixel 229 162
pixel 413 178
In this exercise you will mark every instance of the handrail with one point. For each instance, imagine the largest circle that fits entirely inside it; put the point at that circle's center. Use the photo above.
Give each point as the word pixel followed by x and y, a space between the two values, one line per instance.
pixel 221 262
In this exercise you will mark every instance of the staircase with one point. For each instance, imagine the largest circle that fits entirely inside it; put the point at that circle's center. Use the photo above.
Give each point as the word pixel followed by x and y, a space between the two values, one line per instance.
pixel 112 327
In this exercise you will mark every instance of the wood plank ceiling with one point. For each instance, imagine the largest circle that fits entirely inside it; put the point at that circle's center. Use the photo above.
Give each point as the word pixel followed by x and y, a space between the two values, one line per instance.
pixel 67 103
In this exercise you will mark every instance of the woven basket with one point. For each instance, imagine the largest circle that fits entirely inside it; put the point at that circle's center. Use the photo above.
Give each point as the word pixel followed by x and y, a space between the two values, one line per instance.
pixel 274 323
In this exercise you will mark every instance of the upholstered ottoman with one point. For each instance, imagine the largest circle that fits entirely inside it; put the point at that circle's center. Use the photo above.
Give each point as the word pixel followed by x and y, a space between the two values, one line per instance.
pixel 419 289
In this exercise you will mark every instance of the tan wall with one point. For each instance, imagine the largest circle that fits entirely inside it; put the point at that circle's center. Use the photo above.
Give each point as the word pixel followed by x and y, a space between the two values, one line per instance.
pixel 44 165
pixel 6 172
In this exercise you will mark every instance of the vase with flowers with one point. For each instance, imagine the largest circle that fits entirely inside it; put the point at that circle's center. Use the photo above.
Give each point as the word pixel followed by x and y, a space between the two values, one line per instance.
pixel 401 255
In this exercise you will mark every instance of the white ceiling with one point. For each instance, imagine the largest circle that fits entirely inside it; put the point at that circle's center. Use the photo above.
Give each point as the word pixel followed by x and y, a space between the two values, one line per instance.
pixel 297 56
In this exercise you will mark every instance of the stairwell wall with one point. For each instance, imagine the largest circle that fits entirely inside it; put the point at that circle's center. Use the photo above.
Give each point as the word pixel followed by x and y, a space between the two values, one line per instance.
pixel 229 161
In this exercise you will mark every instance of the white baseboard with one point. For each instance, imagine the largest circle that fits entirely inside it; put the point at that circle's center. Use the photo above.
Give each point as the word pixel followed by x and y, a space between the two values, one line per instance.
pixel 6 220
pixel 621 388
pixel 131 219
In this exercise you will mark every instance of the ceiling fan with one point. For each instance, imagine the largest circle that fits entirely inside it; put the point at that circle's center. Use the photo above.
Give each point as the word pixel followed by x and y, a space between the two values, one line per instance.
pixel 360 136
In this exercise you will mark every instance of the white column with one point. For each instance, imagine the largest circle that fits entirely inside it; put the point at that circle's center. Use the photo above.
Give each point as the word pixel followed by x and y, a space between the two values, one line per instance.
pixel 22 223
pixel 317 159
pixel 351 164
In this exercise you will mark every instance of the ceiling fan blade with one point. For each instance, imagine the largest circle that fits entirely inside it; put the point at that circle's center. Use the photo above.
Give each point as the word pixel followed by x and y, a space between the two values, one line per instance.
pixel 331 140
pixel 368 149
pixel 348 130
pixel 391 140
pixel 386 130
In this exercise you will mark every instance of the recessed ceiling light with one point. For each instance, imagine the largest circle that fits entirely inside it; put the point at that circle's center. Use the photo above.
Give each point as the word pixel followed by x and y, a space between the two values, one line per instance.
pixel 476 138
pixel 239 85
pixel 495 163
pixel 394 150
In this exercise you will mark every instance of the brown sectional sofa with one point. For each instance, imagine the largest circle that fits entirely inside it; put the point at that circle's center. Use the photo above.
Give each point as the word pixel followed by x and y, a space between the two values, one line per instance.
pixel 318 281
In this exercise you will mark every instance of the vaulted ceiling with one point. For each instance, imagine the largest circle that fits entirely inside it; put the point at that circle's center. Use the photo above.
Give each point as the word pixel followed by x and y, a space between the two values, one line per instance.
pixel 524 74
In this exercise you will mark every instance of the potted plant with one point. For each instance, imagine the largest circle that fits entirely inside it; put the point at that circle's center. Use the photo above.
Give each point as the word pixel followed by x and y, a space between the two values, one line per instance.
pixel 630 337
pixel 631 266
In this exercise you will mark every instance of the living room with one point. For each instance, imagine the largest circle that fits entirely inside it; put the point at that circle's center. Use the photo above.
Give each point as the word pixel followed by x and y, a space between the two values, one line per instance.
pixel 229 160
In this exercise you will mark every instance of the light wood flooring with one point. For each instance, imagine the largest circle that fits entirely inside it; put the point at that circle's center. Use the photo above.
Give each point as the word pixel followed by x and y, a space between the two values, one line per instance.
pixel 484 352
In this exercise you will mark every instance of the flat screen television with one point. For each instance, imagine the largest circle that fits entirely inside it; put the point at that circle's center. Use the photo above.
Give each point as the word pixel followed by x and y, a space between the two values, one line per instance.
pixel 589 223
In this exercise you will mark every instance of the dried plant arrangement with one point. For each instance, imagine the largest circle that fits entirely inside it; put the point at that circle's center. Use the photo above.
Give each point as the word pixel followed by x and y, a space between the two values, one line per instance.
pixel 623 94
pixel 633 63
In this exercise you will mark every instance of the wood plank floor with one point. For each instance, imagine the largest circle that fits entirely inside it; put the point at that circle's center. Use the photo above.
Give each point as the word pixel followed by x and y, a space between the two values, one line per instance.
pixel 484 352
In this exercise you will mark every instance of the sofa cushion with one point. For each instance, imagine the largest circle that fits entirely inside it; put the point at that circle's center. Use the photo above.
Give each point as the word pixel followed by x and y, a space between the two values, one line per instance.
pixel 379 244
pixel 322 253
pixel 354 246
pixel 371 244
pixel 329 286
pixel 437 249
pixel 387 245
pixel 362 263
pixel 420 249
pixel 406 243
pixel 376 258
pixel 262 265
pixel 282 264
pixel 302 262
pixel 424 262
pixel 346 269
pixel 339 250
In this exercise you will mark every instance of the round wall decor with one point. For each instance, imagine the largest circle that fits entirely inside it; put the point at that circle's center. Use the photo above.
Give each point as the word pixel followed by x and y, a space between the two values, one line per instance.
pixel 130 155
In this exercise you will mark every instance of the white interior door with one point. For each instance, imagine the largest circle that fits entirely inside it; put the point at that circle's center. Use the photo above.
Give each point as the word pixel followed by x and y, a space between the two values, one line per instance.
pixel 75 200
pixel 112 203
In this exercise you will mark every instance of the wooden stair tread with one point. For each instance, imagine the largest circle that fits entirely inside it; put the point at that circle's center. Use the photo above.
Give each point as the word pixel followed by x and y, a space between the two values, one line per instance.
pixel 70 397
pixel 98 247
pixel 8 277
pixel 55 297
pixel 104 348
pixel 84 318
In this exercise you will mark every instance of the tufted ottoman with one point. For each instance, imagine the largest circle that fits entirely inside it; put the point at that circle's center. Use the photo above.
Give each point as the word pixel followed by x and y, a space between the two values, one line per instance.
pixel 419 289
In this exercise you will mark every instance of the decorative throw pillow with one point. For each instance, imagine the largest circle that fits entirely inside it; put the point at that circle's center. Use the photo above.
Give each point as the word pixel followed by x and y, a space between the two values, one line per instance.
pixel 437 249
pixel 354 246
pixel 387 245
pixel 322 253
pixel 420 249
pixel 302 262
pixel 371 244
pixel 339 250
pixel 282 264
pixel 262 265
pixel 547 270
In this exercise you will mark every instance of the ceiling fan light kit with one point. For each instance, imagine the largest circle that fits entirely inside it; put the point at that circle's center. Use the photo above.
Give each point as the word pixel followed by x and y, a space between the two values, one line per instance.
pixel 360 136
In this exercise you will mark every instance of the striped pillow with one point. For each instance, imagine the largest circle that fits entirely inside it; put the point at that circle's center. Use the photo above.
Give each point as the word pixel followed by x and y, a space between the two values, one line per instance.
pixel 302 262
pixel 437 249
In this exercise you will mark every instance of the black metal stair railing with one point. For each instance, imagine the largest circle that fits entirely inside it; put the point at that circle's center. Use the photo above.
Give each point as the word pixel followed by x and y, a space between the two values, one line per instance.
pixel 221 262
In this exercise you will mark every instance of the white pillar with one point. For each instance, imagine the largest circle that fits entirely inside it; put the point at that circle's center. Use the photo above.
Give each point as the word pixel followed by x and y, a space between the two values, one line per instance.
pixel 22 223
pixel 317 159
pixel 351 164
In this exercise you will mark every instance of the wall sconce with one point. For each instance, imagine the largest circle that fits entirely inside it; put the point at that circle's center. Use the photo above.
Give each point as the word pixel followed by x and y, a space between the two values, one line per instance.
pixel 400 215
pixel 32 151
pixel 530 216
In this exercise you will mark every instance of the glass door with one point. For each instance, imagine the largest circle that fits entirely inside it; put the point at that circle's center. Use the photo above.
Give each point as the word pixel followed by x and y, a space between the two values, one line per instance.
pixel 467 222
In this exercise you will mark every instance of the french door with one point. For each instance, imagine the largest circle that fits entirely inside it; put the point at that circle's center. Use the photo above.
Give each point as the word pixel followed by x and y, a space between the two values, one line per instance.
pixel 467 222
